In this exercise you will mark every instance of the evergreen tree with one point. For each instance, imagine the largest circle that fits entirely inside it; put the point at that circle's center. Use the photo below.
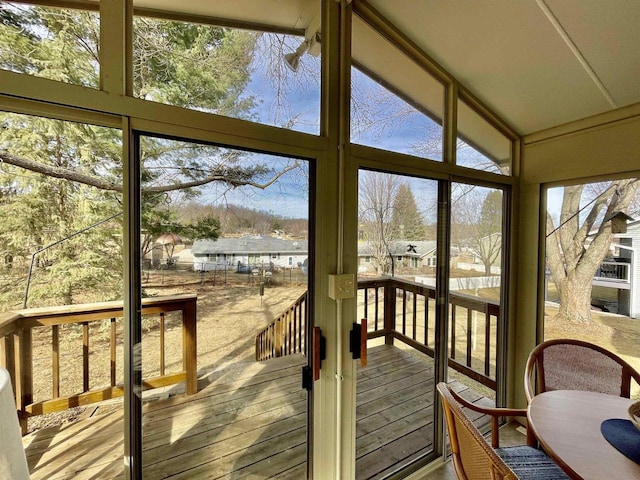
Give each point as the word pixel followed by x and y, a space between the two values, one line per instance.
pixel 406 218
pixel 59 177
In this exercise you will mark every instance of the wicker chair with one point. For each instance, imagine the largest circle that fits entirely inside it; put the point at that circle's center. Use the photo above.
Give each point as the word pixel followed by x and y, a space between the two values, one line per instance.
pixel 566 364
pixel 474 459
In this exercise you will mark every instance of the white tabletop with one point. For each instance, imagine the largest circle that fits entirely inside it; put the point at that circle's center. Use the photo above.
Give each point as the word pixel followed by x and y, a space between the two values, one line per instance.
pixel 567 425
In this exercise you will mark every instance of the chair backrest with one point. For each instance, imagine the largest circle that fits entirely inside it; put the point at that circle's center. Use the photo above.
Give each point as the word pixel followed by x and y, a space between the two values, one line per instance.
pixel 567 364
pixel 473 457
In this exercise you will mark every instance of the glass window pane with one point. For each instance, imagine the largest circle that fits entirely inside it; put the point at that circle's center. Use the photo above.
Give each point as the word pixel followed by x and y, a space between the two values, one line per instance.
pixel 396 294
pixel 480 145
pixel 55 43
pixel 61 264
pixel 475 286
pixel 228 71
pixel 239 254
pixel 395 104
pixel 591 292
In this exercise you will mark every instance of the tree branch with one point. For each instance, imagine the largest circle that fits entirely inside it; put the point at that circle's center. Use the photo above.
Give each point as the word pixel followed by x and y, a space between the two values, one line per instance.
pixel 554 254
pixel 60 172
pixel 228 176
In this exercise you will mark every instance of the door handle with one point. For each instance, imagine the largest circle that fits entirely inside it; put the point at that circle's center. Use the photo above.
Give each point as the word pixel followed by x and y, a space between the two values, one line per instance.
pixel 311 373
pixel 319 352
pixel 358 342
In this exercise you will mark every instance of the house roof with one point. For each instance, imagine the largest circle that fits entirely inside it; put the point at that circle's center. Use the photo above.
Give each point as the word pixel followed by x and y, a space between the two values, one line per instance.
pixel 401 248
pixel 249 244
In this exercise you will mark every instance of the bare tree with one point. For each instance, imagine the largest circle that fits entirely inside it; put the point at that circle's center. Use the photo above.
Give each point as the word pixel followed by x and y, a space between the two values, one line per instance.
pixel 377 193
pixel 479 230
pixel 578 244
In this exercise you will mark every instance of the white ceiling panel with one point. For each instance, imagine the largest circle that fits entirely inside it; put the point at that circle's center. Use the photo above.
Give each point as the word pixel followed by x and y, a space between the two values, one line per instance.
pixel 513 58
pixel 607 33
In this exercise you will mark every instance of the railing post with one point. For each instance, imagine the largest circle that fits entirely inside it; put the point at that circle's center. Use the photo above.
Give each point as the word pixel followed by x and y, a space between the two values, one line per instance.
pixel 389 312
pixel 189 347
pixel 258 349
pixel 278 338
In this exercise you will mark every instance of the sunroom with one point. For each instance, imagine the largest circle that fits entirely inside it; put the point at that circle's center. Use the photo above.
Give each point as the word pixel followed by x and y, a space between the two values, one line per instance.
pixel 430 164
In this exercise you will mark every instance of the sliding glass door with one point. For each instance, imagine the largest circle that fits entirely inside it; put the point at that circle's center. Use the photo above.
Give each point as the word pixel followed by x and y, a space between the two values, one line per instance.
pixel 397 241
pixel 430 276
pixel 476 266
pixel 225 266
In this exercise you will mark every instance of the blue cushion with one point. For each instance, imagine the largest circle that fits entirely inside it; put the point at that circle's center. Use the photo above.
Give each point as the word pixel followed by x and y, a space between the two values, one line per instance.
pixel 529 463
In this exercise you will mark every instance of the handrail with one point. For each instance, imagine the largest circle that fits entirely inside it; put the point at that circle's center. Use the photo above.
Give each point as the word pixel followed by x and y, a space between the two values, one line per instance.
pixel 286 334
pixel 391 306
pixel 392 301
pixel 16 350
pixel 613 272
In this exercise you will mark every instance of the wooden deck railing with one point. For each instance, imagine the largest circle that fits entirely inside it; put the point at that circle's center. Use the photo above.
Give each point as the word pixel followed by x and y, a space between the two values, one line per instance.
pixel 16 350
pixel 403 310
pixel 286 334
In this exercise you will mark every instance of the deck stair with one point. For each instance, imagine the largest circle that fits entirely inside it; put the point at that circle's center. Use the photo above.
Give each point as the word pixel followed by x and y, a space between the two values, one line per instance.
pixel 286 334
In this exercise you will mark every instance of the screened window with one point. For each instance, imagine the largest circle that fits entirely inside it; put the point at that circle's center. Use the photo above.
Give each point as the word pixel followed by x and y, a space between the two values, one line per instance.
pixel 480 145
pixel 55 43
pixel 599 219
pixel 229 71
pixel 395 105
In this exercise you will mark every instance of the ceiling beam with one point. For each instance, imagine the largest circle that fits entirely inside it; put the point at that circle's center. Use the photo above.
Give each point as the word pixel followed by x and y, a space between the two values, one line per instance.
pixel 576 51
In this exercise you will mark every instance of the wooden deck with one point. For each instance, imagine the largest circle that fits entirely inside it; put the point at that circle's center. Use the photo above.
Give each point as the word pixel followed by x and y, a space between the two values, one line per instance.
pixel 249 421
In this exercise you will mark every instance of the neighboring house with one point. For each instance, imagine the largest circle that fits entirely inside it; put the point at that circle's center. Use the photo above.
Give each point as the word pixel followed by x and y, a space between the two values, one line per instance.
pixel 488 248
pixel 406 253
pixel 621 271
pixel 418 254
pixel 248 251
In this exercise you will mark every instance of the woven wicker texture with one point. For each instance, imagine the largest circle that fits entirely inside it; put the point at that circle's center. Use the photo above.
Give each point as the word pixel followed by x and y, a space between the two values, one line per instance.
pixel 477 462
pixel 575 365
pixel 475 459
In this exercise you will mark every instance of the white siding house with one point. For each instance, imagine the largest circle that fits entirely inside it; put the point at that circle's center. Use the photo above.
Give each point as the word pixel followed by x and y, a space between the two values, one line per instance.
pixel 622 270
pixel 406 253
pixel 249 252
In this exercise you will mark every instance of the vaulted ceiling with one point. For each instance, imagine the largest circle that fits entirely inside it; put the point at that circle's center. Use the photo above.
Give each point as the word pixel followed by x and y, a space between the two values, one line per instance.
pixel 536 63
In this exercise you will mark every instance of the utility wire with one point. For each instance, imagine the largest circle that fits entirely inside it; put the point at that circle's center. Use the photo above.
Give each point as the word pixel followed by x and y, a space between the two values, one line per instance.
pixel 572 216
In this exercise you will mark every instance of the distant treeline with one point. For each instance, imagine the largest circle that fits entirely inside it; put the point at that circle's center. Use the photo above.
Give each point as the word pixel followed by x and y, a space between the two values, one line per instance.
pixel 235 219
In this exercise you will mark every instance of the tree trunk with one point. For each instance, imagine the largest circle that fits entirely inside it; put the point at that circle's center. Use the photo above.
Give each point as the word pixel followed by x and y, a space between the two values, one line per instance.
pixel 575 299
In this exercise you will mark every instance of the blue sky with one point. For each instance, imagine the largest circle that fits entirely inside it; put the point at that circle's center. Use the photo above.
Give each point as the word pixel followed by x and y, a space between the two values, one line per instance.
pixel 289 197
pixel 302 101
pixel 396 126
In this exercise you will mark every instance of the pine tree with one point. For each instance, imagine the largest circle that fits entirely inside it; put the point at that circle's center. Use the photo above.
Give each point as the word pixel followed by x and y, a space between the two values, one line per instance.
pixel 59 177
pixel 406 218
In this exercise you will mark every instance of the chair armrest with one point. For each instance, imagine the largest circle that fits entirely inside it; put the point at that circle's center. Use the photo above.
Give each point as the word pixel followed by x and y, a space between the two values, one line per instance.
pixel 529 379
pixel 494 412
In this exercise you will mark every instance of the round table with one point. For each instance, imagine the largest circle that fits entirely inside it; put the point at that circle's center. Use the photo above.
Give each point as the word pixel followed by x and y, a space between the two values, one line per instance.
pixel 567 425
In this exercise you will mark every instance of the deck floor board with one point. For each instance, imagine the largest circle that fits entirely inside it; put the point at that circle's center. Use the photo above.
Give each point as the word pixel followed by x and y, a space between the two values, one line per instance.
pixel 249 422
